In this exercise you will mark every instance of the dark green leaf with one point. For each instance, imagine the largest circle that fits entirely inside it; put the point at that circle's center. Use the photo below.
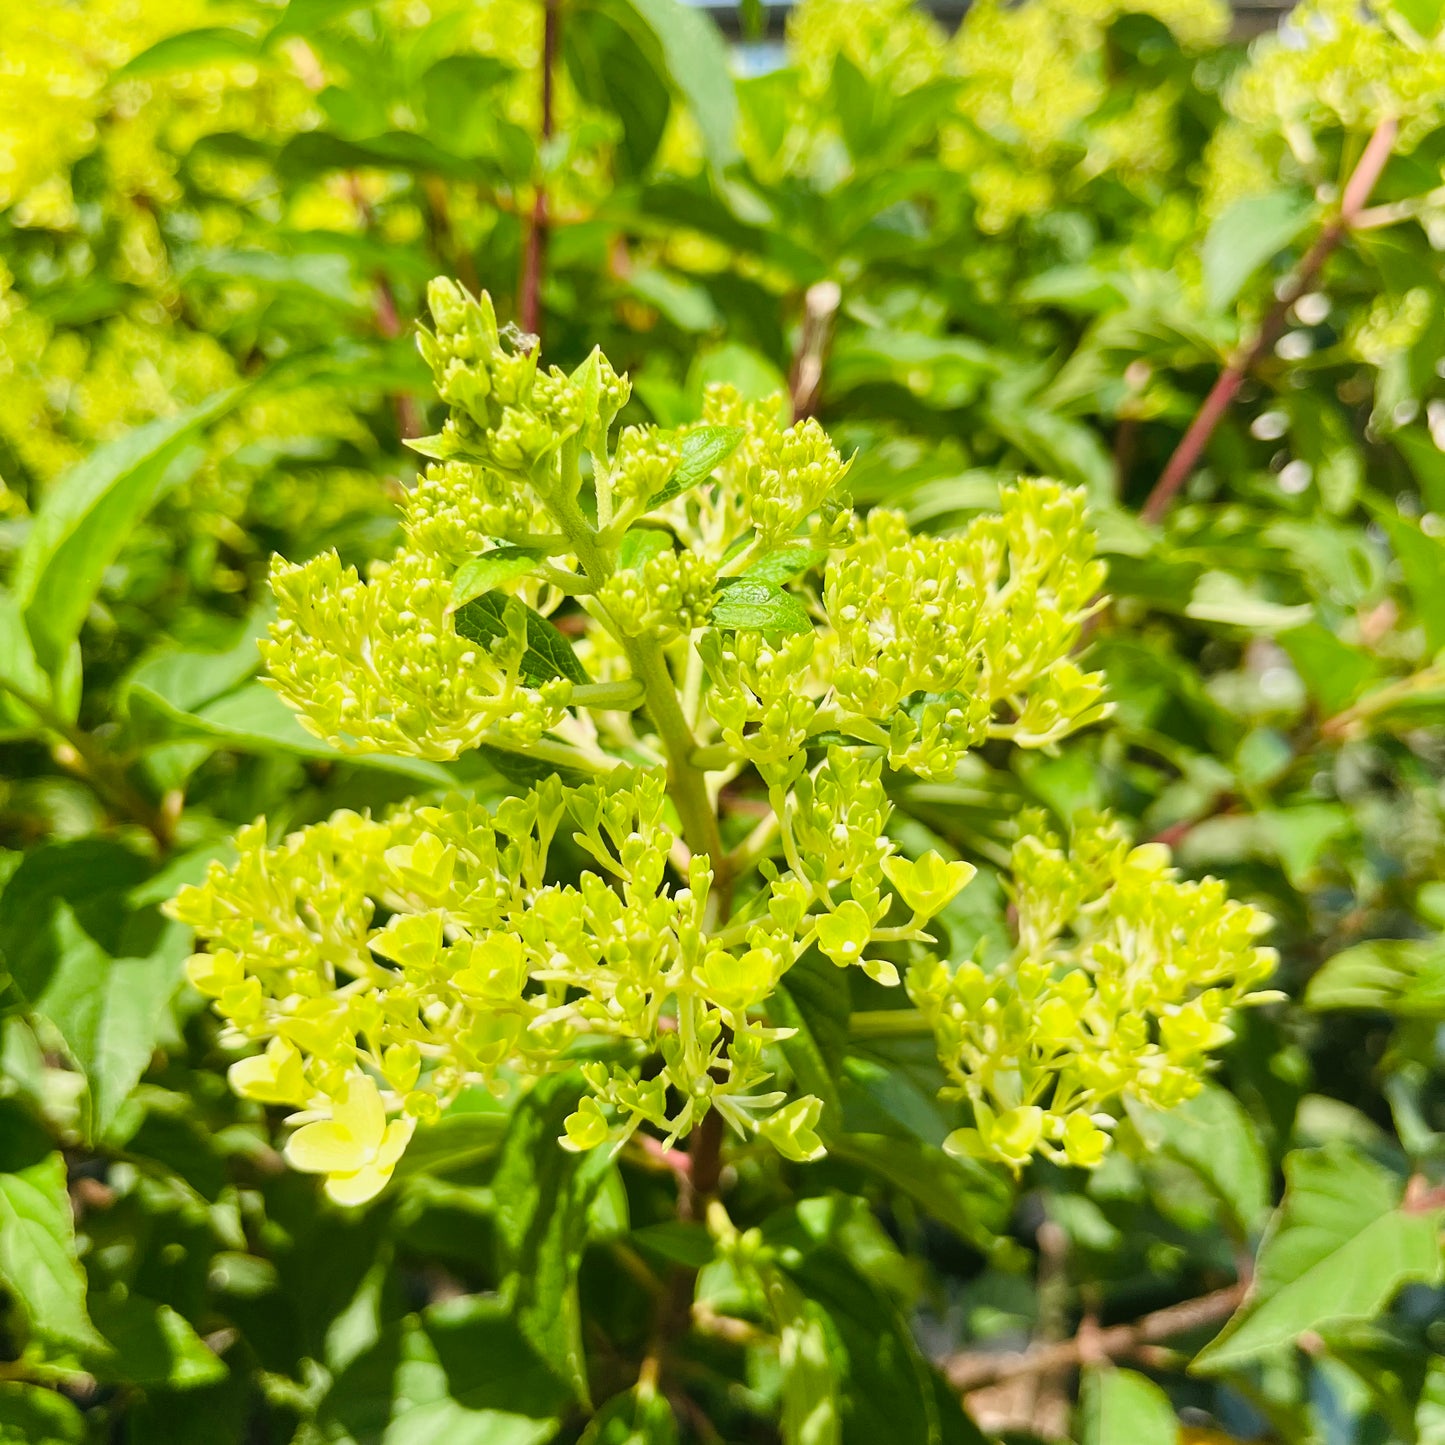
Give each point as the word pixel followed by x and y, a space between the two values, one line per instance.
pixel 548 653
pixel 543 1193
pixel 696 59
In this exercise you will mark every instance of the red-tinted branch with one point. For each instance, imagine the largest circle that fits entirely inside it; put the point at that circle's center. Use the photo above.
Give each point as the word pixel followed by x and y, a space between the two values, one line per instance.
pixel 534 254
pixel 1222 393
pixel 975 1369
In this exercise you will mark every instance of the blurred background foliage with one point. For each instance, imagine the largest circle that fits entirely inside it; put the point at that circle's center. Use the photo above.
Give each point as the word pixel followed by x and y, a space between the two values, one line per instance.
pixel 1031 245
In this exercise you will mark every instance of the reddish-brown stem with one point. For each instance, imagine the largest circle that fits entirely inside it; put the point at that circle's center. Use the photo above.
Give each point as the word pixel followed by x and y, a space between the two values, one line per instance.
pixel 820 308
pixel 974 1370
pixel 1222 393
pixel 534 252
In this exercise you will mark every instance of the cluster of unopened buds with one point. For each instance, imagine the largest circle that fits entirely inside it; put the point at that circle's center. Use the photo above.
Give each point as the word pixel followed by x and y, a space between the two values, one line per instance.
pixel 729 622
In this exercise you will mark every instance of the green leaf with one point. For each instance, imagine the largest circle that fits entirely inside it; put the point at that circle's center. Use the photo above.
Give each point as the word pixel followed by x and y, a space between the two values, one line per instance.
pixel 1405 977
pixel 958 1193
pixel 784 565
pixel 885 1385
pixel 548 653
pixel 37 1252
pixel 32 1415
pixel 190 50
pixel 759 606
pixel 543 1193
pixel 253 719
pixel 1422 559
pixel 492 570
pixel 88 513
pixel 18 669
pixel 1245 236
pixel 633 1419
pixel 1119 1407
pixel 696 58
pixel 640 545
pixel 687 304
pixel 151 1344
pixel 810 1388
pixel 1223 597
pixel 617 70
pixel 456 1142
pixel 813 998
pixel 302 17
pixel 1334 672
pixel 1336 1253
pixel 1213 1135
pixel 1320 435
pixel 110 1011
pixel 704 449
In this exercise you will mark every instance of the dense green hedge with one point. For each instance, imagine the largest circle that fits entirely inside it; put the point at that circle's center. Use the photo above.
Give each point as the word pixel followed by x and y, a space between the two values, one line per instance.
pixel 1198 286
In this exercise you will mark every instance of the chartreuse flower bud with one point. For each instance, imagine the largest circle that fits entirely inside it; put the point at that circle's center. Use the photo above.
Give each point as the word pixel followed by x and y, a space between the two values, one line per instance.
pixel 928 884
pixel 694 602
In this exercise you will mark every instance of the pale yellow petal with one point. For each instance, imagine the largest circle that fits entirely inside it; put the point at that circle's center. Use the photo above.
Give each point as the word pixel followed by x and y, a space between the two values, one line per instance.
pixel 393 1144
pixel 359 1111
pixel 357 1188
pixel 327 1148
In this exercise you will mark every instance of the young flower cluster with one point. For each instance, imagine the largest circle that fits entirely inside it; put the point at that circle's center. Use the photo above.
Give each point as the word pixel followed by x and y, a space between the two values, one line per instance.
pixel 733 623
pixel 1121 982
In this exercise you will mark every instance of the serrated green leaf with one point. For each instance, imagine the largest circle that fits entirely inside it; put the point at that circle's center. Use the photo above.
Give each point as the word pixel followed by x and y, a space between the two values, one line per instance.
pixel 1213 1135
pixel 492 570
pixel 760 607
pixel 1337 1251
pixel 704 449
pixel 548 653
pixel 784 565
pixel 1120 1407
pixel 37 1253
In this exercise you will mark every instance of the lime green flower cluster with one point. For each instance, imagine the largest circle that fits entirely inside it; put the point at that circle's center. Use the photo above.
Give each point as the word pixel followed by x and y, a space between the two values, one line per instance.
pixel 483 968
pixel 1121 982
pixel 741 624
